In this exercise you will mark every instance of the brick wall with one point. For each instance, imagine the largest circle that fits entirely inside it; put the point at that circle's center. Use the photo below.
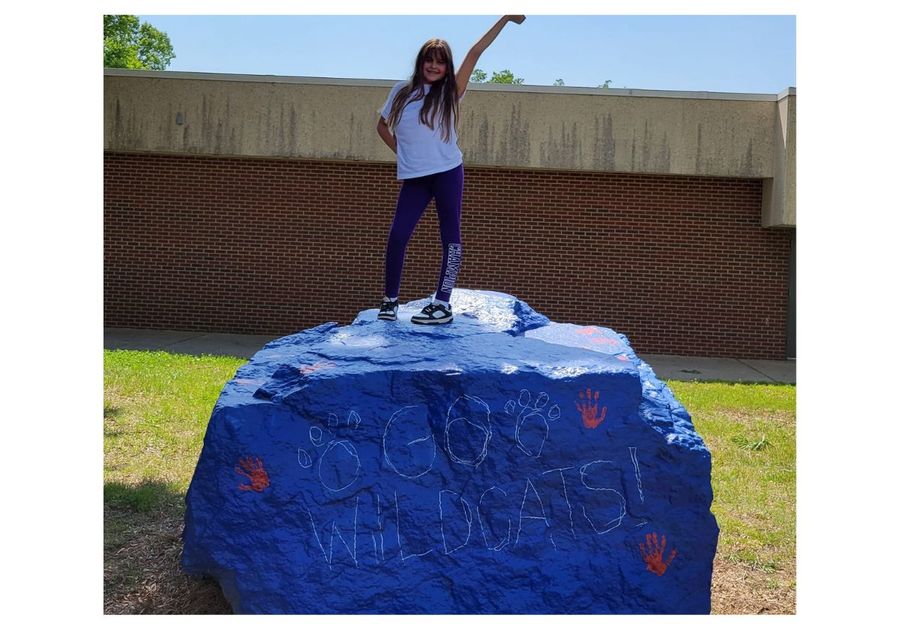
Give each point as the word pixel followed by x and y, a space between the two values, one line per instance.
pixel 678 264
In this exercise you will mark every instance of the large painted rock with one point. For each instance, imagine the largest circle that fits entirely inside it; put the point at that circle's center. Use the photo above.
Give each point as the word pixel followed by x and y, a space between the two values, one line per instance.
pixel 500 464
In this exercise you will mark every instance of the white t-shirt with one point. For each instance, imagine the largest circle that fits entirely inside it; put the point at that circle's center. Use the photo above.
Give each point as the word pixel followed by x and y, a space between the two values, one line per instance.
pixel 421 151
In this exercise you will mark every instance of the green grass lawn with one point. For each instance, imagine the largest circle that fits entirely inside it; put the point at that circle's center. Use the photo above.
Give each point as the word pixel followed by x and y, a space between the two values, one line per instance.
pixel 750 431
pixel 157 405
pixel 155 410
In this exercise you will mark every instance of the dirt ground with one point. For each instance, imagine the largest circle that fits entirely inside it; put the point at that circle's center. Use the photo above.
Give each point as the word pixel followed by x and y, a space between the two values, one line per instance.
pixel 738 589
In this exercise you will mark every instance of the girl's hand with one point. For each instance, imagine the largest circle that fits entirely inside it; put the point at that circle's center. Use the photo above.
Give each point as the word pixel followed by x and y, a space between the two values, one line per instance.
pixel 468 64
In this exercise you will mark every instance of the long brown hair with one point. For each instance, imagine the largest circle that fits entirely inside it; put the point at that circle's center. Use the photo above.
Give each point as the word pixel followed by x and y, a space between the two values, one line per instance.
pixel 442 96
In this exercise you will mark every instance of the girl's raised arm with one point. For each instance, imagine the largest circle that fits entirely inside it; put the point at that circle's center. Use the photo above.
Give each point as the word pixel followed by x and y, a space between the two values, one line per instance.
pixel 468 64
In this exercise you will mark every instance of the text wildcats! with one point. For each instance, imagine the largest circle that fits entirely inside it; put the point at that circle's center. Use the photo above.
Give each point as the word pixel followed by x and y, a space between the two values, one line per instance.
pixel 558 510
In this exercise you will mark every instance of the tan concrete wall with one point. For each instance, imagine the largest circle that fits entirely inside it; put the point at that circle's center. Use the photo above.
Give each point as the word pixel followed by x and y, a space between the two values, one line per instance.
pixel 780 192
pixel 633 134
pixel 581 129
pixel 150 112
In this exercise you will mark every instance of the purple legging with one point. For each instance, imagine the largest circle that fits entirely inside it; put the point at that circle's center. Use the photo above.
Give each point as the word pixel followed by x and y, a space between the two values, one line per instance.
pixel 446 189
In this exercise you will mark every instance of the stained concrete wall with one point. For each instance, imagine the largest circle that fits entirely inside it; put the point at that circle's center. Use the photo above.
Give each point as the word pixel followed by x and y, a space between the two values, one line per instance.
pixel 780 191
pixel 560 128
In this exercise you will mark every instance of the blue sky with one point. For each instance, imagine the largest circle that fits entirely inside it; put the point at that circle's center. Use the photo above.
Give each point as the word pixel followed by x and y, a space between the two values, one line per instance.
pixel 723 53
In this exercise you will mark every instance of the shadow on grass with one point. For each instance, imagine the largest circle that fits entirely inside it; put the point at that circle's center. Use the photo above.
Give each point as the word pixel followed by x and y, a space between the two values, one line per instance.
pixel 141 498
pixel 142 527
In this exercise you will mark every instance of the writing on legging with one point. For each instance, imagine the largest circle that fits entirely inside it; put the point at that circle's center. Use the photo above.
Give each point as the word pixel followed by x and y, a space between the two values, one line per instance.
pixel 454 260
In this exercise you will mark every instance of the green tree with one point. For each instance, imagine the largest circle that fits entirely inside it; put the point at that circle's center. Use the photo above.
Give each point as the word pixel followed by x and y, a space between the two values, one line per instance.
pixel 478 76
pixel 605 84
pixel 130 43
pixel 504 76
pixel 559 82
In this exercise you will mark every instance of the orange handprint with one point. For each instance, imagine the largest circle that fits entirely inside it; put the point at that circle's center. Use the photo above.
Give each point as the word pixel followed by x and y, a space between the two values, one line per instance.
pixel 653 554
pixel 589 411
pixel 252 469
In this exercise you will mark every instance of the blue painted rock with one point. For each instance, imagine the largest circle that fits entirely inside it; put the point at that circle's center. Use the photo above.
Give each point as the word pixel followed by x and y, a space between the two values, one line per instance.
pixel 503 463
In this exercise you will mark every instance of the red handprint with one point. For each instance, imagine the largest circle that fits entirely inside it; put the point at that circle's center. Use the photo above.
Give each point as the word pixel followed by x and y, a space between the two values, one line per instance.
pixel 252 469
pixel 589 411
pixel 597 336
pixel 315 367
pixel 653 554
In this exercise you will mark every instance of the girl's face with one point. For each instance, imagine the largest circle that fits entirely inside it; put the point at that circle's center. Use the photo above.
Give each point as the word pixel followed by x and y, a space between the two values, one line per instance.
pixel 432 69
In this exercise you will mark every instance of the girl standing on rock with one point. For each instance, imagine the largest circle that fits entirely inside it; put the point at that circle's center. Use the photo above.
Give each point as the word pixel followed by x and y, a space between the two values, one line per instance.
pixel 418 123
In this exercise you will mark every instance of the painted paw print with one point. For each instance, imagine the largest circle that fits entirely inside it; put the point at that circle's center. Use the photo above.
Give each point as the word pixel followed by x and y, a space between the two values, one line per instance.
pixel 338 464
pixel 588 409
pixel 252 469
pixel 532 428
pixel 653 554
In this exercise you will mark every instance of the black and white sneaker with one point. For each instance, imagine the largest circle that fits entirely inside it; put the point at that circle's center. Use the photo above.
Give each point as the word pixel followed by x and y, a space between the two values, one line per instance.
pixel 389 310
pixel 434 314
